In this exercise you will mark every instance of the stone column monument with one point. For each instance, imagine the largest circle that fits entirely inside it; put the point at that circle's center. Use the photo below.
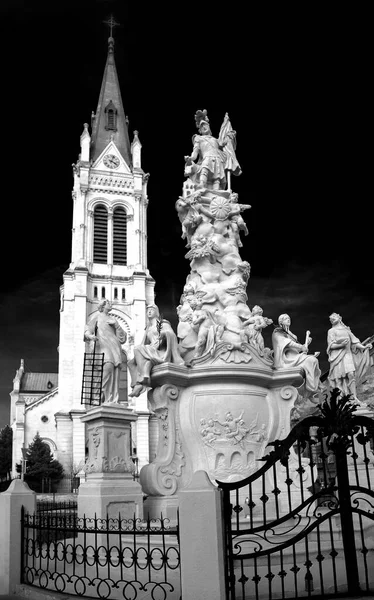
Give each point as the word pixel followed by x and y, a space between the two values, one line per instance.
pixel 230 396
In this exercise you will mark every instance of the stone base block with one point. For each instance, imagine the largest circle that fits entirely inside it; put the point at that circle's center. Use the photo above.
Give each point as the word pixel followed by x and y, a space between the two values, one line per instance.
pixel 165 506
pixel 110 494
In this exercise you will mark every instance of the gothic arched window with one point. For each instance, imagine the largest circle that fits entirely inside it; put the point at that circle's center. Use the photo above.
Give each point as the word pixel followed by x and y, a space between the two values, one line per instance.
pixel 111 116
pixel 100 242
pixel 119 236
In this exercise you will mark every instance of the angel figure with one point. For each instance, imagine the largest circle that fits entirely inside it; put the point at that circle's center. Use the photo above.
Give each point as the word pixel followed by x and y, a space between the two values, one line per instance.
pixel 253 329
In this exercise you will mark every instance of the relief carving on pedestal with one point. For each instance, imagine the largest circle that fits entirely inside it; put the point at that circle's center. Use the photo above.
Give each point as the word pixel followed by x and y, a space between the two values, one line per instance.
pixel 95 441
pixel 232 430
pixel 96 463
pixel 232 443
pixel 162 414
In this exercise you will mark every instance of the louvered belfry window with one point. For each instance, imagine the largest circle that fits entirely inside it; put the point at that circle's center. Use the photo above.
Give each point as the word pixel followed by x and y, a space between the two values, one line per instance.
pixel 119 236
pixel 111 123
pixel 111 116
pixel 100 246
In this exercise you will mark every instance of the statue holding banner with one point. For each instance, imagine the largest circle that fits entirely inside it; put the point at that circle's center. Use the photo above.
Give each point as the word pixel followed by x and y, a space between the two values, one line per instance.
pixel 212 160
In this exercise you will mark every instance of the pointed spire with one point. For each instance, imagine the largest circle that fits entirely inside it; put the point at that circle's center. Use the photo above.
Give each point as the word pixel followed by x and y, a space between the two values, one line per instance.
pixel 109 121
pixel 136 151
pixel 85 144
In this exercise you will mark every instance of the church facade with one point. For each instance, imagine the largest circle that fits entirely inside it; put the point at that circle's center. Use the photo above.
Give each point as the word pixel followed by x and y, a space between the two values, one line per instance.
pixel 108 260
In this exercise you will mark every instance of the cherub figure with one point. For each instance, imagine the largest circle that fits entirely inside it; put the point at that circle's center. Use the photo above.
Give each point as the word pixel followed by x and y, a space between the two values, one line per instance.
pixel 239 434
pixel 253 329
pixel 203 324
pixel 237 224
pixel 189 216
pixel 244 269
pixel 202 247
pixel 230 424
pixel 209 431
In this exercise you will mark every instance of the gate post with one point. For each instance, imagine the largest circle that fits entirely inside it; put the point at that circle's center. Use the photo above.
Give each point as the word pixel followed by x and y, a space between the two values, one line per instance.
pixel 346 519
pixel 201 540
pixel 17 495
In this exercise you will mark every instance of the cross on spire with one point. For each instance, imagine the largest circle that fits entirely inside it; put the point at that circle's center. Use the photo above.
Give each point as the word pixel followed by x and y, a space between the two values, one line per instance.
pixel 111 22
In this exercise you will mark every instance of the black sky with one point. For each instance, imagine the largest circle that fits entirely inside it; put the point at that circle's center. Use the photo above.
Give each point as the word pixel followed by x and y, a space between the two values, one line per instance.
pixel 296 82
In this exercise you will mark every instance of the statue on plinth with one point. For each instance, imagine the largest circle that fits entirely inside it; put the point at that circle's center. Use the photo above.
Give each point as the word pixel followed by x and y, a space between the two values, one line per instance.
pixel 215 157
pixel 288 353
pixel 104 331
pixel 159 345
pixel 349 359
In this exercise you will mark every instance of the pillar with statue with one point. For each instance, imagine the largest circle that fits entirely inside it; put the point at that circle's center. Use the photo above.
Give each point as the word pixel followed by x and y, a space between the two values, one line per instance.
pixel 109 489
pixel 219 394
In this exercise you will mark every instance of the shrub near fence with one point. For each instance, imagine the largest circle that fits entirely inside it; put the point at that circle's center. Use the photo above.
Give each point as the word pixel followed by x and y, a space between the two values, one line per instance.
pixel 100 558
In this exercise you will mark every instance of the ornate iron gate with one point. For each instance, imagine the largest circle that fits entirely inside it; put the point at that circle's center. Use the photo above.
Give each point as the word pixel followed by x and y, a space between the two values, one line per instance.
pixel 303 524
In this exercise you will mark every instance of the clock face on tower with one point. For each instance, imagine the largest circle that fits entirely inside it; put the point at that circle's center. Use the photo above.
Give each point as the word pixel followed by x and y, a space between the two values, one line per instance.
pixel 111 161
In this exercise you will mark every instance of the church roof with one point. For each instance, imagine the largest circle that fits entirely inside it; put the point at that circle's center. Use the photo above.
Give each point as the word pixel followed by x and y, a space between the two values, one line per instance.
pixel 110 99
pixel 39 382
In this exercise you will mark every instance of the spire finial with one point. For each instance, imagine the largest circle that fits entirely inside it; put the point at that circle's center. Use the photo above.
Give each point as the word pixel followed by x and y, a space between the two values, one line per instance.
pixel 111 22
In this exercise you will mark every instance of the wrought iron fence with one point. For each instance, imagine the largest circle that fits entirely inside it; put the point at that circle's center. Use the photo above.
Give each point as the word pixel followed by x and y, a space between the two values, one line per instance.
pixel 56 507
pixel 303 524
pixel 46 485
pixel 107 558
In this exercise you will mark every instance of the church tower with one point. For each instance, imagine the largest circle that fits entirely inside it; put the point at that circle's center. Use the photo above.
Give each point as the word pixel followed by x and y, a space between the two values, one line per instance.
pixel 108 256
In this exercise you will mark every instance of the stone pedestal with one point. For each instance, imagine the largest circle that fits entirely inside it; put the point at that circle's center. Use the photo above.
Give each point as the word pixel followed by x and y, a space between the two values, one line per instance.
pixel 109 488
pixel 218 418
